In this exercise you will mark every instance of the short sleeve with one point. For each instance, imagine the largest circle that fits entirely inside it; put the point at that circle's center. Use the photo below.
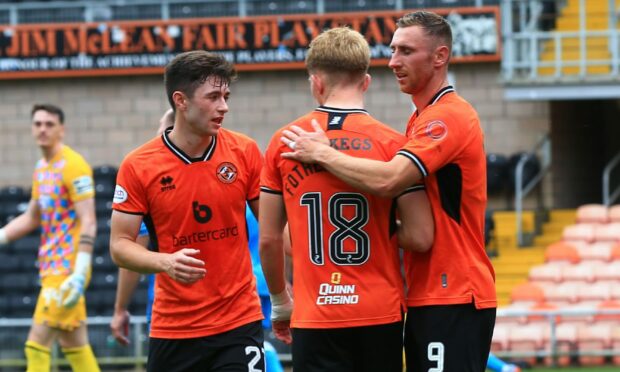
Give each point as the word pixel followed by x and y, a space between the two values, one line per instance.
pixel 129 195
pixel 78 179
pixel 434 141
pixel 270 180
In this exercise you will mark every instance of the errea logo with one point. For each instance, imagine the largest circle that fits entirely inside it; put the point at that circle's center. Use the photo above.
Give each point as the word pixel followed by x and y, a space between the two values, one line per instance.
pixel 335 120
pixel 166 183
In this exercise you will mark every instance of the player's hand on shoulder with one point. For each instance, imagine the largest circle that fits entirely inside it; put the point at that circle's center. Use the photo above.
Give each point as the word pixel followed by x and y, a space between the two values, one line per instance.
pixel 304 144
pixel 183 267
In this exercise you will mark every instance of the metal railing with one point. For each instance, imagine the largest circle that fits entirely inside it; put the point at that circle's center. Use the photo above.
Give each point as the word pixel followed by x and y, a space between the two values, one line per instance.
pixel 609 195
pixel 542 150
pixel 528 26
pixel 107 10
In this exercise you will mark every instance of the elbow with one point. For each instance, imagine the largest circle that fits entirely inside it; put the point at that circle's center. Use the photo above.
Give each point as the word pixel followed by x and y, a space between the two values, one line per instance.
pixel 115 253
pixel 421 242
pixel 268 243
pixel 387 188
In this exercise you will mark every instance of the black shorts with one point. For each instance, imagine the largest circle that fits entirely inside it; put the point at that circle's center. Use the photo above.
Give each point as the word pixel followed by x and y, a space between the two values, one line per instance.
pixel 355 349
pixel 448 338
pixel 237 350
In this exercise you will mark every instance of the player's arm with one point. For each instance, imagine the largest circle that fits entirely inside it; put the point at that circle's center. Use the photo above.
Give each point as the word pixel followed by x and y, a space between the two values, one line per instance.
pixel 254 205
pixel 386 179
pixel 417 226
pixel 125 288
pixel 271 247
pixel 128 254
pixel 72 288
pixel 22 224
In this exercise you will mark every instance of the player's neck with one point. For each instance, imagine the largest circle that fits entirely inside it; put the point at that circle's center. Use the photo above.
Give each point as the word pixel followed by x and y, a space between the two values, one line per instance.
pixel 344 99
pixel 192 144
pixel 423 98
pixel 49 152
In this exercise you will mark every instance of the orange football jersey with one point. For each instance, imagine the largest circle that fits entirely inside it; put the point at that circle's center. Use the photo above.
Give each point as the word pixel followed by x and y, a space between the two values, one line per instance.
pixel 197 203
pixel 346 268
pixel 446 143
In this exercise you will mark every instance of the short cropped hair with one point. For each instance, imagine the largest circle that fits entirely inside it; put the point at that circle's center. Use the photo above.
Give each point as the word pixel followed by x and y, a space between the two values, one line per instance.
pixel 433 24
pixel 53 109
pixel 339 50
pixel 187 71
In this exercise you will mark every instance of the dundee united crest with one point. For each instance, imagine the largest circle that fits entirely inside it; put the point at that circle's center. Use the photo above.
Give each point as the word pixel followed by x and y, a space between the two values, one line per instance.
pixel 226 172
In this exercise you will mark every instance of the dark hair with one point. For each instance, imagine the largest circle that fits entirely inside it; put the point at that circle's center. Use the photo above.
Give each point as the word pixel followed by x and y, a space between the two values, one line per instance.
pixel 49 108
pixel 435 25
pixel 187 71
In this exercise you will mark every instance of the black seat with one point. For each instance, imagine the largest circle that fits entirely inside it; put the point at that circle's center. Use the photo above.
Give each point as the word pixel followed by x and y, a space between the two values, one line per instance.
pixel 14 193
pixel 497 173
pixel 105 172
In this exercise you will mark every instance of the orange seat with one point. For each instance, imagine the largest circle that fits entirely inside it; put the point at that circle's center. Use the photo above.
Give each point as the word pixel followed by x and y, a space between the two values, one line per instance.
pixel 615 252
pixel 527 293
pixel 562 251
pixel 592 213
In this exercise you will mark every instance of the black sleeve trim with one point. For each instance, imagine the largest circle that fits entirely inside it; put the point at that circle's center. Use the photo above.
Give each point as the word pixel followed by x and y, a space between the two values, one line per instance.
pixel 411 189
pixel 416 161
pixel 270 191
pixel 127 212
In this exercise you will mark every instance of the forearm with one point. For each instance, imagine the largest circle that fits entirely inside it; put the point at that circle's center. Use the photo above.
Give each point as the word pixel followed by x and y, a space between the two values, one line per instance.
pixel 272 261
pixel 88 233
pixel 20 226
pixel 132 256
pixel 376 177
pixel 127 283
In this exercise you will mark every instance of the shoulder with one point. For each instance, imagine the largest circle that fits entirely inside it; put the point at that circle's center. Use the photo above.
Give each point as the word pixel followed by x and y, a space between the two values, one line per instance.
pixel 73 157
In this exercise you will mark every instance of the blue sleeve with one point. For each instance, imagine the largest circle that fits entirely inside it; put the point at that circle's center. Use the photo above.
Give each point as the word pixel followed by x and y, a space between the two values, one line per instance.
pixel 143 230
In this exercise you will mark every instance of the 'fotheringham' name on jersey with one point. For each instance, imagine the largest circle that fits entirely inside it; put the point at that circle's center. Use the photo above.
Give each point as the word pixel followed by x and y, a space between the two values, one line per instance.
pixel 337 294
pixel 204 236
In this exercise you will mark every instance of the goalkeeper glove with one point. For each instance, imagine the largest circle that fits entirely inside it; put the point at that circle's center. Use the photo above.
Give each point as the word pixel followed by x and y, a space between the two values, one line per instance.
pixel 281 306
pixel 73 286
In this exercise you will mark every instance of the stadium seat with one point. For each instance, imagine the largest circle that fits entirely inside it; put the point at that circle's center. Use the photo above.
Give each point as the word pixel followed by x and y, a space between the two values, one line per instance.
pixel 608 319
pixel 105 172
pixel 583 232
pixel 592 213
pixel 583 272
pixel 614 213
pixel 594 293
pixel 546 273
pixel 566 343
pixel 527 293
pixel 563 293
pixel 609 232
pixel 615 252
pixel 500 336
pixel 497 173
pixel 563 252
pixel 593 338
pixel 598 251
pixel 608 272
pixel 528 338
pixel 14 193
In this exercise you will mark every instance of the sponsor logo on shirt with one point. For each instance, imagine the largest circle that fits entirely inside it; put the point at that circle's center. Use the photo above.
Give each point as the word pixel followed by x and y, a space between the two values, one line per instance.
pixel 436 130
pixel 83 185
pixel 334 293
pixel 202 212
pixel 120 195
pixel 226 172
pixel 166 183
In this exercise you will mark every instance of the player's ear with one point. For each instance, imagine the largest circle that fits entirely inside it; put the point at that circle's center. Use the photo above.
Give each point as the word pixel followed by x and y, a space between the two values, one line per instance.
pixel 366 82
pixel 442 55
pixel 180 100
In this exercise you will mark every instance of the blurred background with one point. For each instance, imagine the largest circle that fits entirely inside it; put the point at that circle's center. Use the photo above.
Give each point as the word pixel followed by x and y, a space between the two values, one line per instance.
pixel 542 74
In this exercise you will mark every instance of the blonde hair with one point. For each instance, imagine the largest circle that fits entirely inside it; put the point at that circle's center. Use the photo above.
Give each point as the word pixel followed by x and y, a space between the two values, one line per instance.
pixel 341 53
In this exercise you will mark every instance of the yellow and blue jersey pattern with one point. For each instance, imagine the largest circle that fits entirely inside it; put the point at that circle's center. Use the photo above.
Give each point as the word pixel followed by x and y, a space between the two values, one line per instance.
pixel 57 185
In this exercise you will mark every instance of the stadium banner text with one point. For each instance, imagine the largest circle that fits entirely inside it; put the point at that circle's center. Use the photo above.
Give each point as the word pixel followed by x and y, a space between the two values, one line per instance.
pixel 253 43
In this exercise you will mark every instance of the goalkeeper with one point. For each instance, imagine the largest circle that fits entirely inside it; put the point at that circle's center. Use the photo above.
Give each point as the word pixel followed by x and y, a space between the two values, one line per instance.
pixel 62 206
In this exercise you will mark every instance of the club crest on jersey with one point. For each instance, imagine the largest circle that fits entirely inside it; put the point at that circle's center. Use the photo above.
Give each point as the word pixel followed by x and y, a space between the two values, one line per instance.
pixel 226 172
pixel 436 130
